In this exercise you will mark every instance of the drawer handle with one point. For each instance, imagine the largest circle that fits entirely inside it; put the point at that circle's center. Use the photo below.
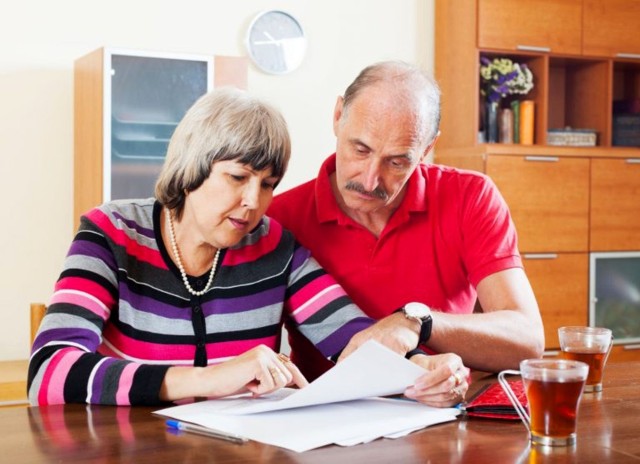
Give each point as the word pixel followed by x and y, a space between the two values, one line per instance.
pixel 632 347
pixel 634 56
pixel 546 159
pixel 531 48
pixel 633 160
pixel 540 255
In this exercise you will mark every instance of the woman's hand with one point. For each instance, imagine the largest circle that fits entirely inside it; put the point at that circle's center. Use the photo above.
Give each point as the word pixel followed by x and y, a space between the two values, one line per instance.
pixel 259 370
pixel 445 384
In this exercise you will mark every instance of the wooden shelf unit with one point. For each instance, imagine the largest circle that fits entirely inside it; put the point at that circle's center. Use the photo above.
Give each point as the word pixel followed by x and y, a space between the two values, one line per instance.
pixel 566 202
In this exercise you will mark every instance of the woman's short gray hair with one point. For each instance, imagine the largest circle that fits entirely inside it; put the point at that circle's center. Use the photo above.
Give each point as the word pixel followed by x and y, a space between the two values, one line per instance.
pixel 225 124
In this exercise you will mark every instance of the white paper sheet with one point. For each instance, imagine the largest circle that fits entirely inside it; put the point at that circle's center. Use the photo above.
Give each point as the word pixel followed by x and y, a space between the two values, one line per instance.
pixel 328 417
pixel 302 429
pixel 372 370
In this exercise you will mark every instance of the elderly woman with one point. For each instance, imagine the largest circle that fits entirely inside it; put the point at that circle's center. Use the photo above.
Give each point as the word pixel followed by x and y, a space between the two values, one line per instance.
pixel 185 295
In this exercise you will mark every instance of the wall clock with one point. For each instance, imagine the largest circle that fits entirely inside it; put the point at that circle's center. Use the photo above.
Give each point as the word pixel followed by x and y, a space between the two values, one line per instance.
pixel 276 42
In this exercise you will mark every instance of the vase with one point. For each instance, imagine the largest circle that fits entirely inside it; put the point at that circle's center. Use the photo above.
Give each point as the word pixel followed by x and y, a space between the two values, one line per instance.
pixel 491 122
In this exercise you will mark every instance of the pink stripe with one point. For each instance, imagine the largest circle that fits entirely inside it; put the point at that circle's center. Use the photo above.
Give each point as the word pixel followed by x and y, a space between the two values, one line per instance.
pixel 310 290
pixel 154 352
pixel 80 300
pixel 132 247
pixel 124 384
pixel 253 252
pixel 52 387
pixel 87 286
pixel 319 303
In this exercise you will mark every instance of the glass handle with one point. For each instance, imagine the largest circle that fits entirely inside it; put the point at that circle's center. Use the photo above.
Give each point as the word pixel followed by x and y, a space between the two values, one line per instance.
pixel 521 410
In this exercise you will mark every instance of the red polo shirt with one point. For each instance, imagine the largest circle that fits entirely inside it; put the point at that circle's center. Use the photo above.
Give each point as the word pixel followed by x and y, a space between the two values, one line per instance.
pixel 452 229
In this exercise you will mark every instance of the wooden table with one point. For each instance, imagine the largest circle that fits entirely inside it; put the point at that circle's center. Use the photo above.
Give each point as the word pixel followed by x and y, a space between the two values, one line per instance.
pixel 608 431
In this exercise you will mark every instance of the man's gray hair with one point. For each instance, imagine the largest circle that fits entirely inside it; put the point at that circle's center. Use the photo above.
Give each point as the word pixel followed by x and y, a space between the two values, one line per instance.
pixel 412 87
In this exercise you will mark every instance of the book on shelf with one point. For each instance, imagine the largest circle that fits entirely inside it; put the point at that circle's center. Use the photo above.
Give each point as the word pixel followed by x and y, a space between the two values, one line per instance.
pixel 527 116
pixel 515 108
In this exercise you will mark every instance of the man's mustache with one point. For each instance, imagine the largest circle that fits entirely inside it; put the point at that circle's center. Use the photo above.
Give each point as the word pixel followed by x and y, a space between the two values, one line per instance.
pixel 378 192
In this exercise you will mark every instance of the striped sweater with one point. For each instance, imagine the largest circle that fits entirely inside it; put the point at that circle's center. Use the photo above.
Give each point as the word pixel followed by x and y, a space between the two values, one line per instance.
pixel 120 314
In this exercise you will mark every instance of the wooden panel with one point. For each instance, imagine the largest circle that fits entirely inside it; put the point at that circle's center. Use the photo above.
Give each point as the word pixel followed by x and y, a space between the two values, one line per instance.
pixel 561 287
pixel 549 200
pixel 621 353
pixel 615 205
pixel 611 27
pixel 508 24
pixel 13 382
pixel 457 72
pixel 88 133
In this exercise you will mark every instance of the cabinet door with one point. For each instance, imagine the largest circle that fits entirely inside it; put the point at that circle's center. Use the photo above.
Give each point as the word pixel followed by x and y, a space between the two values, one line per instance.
pixel 611 27
pixel 554 26
pixel 148 96
pixel 560 283
pixel 548 198
pixel 615 204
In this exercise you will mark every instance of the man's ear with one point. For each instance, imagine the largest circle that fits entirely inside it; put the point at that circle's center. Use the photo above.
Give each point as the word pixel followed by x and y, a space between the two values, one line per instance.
pixel 429 147
pixel 337 114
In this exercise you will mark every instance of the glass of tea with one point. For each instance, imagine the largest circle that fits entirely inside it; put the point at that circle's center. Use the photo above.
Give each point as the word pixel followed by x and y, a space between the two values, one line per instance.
pixel 553 388
pixel 590 345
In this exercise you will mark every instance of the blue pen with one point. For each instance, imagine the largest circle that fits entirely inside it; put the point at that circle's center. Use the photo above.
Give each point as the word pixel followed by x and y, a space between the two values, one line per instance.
pixel 205 431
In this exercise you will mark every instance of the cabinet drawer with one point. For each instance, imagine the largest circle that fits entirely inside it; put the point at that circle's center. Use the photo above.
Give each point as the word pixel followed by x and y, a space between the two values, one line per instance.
pixel 541 25
pixel 548 198
pixel 611 28
pixel 560 283
pixel 615 204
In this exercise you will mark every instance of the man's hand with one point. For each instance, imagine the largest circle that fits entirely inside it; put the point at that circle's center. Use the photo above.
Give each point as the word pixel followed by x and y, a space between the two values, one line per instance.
pixel 445 384
pixel 395 331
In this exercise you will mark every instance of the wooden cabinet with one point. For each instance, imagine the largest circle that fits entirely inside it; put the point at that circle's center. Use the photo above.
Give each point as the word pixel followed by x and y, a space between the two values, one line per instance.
pixel 534 25
pixel 611 28
pixel 560 282
pixel 567 202
pixel 127 104
pixel 615 204
pixel 527 182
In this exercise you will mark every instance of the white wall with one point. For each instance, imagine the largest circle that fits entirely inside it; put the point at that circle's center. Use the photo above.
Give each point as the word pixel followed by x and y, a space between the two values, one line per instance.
pixel 39 41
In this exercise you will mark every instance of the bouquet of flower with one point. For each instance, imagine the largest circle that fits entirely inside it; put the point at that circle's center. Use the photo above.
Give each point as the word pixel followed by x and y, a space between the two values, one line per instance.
pixel 501 77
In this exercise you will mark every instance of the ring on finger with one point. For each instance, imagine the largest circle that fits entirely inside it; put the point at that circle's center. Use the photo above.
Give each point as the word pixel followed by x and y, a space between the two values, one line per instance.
pixel 284 358
pixel 458 378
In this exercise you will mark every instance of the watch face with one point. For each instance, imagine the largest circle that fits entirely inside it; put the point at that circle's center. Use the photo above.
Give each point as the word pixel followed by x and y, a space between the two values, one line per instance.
pixel 419 310
pixel 276 42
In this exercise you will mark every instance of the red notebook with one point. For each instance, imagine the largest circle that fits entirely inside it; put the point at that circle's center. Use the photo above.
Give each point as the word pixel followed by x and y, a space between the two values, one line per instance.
pixel 491 402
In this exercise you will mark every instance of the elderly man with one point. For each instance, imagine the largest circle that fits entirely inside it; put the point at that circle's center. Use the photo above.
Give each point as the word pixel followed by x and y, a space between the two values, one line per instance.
pixel 392 229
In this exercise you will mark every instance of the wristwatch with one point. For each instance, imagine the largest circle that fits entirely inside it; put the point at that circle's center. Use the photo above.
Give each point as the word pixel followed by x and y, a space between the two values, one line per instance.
pixel 422 313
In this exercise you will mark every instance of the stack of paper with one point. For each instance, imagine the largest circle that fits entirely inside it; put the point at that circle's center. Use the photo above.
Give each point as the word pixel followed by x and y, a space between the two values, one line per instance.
pixel 336 408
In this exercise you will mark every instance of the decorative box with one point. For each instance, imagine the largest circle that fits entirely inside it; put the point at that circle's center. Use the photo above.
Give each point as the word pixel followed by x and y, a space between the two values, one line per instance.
pixel 572 137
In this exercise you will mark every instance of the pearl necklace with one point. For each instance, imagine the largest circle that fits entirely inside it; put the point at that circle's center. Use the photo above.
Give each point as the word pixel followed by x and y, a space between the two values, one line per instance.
pixel 176 253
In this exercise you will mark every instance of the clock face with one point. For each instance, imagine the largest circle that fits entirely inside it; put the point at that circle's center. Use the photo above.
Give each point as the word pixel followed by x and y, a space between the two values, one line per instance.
pixel 276 42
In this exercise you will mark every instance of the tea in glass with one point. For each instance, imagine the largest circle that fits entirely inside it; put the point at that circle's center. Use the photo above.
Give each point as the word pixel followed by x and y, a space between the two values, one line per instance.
pixel 590 345
pixel 553 388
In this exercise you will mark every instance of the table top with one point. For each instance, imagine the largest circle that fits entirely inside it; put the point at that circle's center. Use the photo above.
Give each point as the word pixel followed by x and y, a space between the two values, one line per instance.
pixel 608 431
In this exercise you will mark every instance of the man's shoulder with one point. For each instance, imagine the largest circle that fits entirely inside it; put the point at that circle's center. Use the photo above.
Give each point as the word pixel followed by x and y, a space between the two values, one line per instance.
pixel 294 197
pixel 448 176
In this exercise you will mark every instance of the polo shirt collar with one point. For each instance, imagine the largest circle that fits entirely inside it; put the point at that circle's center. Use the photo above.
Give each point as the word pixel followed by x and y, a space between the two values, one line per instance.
pixel 328 209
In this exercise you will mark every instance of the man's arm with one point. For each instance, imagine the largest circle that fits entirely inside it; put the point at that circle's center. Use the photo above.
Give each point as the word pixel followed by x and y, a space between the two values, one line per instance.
pixel 507 331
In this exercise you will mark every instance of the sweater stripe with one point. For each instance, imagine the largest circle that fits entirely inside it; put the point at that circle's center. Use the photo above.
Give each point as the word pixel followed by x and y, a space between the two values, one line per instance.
pixel 120 315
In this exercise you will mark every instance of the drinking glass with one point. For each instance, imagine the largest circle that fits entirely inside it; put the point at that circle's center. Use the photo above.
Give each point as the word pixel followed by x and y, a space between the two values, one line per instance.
pixel 591 345
pixel 553 388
